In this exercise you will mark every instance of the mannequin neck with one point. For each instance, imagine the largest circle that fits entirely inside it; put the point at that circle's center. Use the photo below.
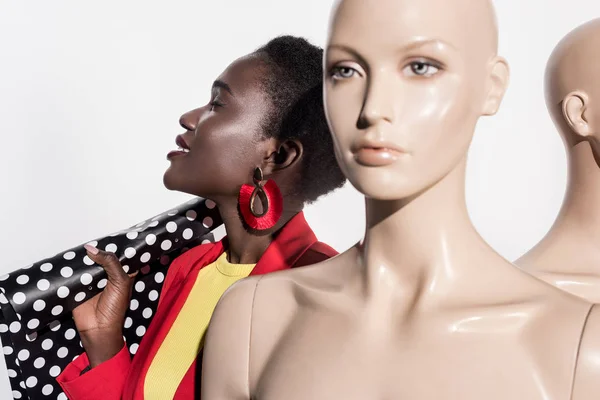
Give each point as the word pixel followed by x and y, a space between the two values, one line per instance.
pixel 425 244
pixel 581 208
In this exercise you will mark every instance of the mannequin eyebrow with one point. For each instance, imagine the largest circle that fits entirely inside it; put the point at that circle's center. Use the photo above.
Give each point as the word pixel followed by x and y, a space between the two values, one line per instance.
pixel 349 50
pixel 426 42
pixel 415 44
pixel 222 85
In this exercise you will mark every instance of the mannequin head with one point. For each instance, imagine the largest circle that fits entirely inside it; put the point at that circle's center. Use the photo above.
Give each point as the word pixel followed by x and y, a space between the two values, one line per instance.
pixel 573 86
pixel 405 86
pixel 265 110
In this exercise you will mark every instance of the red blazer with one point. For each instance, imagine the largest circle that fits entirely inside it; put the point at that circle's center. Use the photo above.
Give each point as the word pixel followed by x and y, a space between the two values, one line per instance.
pixel 121 378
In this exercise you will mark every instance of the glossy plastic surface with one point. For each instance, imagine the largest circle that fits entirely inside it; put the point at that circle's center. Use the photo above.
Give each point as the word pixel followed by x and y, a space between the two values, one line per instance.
pixel 422 308
pixel 569 255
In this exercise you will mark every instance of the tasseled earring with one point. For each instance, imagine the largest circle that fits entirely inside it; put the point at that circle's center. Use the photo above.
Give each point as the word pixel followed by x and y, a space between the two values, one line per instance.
pixel 271 202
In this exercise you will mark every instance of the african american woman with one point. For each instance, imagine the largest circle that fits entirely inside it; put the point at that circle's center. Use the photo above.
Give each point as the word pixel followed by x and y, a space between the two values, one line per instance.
pixel 261 150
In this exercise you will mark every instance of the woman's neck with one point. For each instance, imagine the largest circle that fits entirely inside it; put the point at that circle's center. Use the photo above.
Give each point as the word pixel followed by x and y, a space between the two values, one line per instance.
pixel 245 247
pixel 421 246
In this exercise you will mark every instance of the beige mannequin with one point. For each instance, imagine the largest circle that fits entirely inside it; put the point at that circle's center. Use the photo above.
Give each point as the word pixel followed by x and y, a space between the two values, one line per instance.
pixel 423 308
pixel 569 255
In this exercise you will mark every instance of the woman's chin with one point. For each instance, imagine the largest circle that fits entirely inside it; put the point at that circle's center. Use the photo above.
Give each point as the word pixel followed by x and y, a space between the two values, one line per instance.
pixel 169 180
pixel 177 183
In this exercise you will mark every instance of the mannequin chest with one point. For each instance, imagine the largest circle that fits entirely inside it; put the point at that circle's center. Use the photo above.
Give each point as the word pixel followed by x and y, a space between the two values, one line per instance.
pixel 329 354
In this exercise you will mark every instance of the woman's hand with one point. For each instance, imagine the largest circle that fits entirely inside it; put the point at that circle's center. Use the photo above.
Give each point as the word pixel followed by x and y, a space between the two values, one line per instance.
pixel 100 320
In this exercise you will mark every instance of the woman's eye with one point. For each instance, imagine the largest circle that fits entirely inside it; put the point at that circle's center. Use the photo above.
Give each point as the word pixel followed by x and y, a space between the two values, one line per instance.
pixel 214 104
pixel 343 72
pixel 421 68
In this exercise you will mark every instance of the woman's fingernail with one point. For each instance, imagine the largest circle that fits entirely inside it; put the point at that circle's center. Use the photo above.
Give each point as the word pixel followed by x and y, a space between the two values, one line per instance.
pixel 91 249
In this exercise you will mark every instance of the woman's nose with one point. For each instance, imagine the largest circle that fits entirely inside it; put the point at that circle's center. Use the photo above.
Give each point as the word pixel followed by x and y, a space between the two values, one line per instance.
pixel 189 120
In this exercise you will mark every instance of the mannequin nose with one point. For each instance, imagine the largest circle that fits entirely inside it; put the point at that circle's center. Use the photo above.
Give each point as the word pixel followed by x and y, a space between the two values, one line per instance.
pixel 377 106
pixel 189 120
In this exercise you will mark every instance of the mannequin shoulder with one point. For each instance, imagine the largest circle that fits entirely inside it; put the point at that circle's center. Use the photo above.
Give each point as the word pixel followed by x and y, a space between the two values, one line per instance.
pixel 326 275
pixel 586 384
pixel 256 295
pixel 277 297
pixel 233 311
pixel 226 351
pixel 279 293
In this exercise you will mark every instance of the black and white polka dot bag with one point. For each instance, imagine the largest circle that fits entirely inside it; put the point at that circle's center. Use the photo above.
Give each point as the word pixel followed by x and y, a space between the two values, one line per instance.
pixel 38 334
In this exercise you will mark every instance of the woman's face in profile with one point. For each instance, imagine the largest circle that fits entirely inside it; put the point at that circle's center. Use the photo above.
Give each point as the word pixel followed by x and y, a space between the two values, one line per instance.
pixel 222 136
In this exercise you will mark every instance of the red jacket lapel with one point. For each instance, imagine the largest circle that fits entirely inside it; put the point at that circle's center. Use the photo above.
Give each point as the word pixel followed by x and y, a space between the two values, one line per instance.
pixel 290 243
pixel 287 247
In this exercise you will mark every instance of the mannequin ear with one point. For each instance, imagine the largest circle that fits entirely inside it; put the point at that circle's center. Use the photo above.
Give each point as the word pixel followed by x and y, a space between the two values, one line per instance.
pixel 282 155
pixel 574 106
pixel 499 78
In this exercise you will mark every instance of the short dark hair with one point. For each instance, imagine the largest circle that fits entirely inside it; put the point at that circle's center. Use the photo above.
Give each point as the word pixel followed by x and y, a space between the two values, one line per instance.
pixel 295 87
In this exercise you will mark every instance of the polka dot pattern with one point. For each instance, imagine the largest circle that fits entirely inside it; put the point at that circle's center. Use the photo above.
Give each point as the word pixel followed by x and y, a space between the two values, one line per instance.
pixel 88 261
pixel 22 279
pixel 140 286
pixel 111 248
pixel 39 305
pixel 86 279
pixel 38 335
pixel 145 257
pixel 187 234
pixel 46 267
pixel 66 272
pixel 153 295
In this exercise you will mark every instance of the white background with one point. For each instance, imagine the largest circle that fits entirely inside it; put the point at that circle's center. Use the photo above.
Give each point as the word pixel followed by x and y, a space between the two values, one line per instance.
pixel 91 92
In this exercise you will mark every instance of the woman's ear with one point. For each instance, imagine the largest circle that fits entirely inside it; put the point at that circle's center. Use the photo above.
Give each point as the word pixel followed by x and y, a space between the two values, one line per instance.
pixel 282 155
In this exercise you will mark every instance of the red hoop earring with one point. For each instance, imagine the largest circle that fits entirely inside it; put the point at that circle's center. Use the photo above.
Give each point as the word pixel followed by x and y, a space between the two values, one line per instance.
pixel 271 200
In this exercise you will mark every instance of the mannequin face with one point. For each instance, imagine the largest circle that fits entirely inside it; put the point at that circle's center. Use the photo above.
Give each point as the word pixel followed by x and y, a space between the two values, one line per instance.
pixel 405 86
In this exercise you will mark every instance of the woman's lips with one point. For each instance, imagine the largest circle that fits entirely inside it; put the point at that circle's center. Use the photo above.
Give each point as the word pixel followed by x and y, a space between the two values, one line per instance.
pixel 176 153
pixel 376 156
pixel 184 148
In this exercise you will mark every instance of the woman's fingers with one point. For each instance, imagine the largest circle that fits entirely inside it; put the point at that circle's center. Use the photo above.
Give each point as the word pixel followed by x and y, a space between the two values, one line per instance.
pixel 110 263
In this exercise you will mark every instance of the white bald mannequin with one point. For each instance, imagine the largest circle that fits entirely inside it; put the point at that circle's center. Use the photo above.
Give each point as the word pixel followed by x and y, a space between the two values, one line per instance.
pixel 569 255
pixel 423 308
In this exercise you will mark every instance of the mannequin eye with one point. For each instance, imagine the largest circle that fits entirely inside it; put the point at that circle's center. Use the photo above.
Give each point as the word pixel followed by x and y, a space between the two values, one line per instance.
pixel 421 68
pixel 343 72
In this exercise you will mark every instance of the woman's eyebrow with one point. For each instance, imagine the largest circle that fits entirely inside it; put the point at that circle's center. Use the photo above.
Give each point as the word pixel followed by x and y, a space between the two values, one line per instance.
pixel 222 85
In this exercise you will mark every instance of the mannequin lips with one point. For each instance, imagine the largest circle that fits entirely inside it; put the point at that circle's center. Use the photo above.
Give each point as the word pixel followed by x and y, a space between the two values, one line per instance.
pixel 377 154
pixel 372 157
pixel 183 148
